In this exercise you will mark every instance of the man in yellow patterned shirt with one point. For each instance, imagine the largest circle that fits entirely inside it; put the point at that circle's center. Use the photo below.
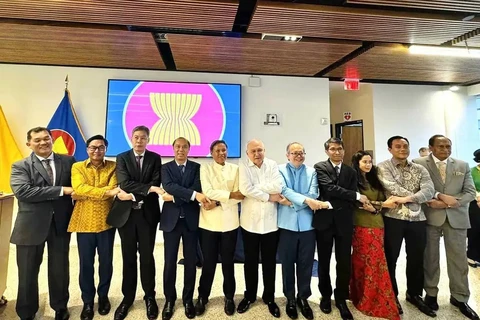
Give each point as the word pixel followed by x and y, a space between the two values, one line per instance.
pixel 95 184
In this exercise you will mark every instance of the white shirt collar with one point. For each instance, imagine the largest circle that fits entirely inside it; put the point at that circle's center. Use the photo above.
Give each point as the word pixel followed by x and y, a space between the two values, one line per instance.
pixel 336 165
pixel 178 164
pixel 139 155
pixel 437 160
pixel 49 157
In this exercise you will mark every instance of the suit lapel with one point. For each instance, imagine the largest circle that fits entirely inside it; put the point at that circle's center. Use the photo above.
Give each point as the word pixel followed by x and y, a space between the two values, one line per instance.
pixel 146 163
pixel 58 169
pixel 331 170
pixel 450 167
pixel 133 161
pixel 39 166
pixel 188 168
pixel 434 169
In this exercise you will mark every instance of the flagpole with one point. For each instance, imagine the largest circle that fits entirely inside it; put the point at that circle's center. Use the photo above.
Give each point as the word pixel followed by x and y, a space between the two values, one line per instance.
pixel 66 82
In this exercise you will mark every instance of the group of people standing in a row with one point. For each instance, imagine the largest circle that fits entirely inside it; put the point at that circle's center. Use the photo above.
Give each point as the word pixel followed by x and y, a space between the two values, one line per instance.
pixel 285 209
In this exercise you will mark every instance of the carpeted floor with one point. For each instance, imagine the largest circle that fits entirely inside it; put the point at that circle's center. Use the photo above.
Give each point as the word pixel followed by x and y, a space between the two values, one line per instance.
pixel 215 306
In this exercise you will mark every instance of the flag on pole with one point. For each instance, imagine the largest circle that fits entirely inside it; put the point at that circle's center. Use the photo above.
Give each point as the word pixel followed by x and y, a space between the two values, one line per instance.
pixel 9 153
pixel 67 134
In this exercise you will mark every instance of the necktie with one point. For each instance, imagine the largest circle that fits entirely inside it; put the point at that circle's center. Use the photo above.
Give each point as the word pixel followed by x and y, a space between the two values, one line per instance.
pixel 46 165
pixel 182 169
pixel 337 171
pixel 442 168
pixel 139 163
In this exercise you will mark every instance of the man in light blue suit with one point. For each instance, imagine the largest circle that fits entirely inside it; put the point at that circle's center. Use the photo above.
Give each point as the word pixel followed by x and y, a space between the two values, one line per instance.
pixel 297 237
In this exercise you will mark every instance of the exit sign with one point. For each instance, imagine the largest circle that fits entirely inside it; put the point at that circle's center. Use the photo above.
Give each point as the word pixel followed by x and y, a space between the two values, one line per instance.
pixel 351 84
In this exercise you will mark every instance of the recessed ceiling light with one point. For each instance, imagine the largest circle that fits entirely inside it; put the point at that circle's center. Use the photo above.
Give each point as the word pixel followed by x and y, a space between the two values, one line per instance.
pixel 454 88
pixel 468 18
pixel 281 37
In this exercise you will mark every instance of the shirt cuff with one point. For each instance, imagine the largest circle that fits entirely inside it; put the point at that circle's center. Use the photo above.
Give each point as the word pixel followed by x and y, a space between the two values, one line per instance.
pixel 133 197
pixel 358 196
pixel 330 205
pixel 61 192
pixel 436 195
pixel 194 194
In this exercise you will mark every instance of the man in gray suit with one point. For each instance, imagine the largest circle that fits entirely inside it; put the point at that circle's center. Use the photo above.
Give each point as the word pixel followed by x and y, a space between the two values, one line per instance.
pixel 447 216
pixel 42 184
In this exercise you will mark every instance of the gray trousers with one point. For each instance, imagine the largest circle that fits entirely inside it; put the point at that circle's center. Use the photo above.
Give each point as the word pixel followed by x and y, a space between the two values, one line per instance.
pixel 456 253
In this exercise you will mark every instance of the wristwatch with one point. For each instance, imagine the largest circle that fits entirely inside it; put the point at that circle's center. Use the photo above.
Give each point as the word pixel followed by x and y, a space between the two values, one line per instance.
pixel 217 203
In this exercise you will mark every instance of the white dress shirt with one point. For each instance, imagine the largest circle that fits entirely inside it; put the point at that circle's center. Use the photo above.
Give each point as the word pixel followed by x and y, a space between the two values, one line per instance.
pixel 217 183
pixel 436 160
pixel 256 184
pixel 52 165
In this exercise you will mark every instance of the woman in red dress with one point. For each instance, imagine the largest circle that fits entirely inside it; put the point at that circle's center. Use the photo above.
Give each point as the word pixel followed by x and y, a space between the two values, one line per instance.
pixel 370 287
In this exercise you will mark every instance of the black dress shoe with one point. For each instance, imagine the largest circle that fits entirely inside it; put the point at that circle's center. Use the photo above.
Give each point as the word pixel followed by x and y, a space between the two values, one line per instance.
pixel 200 306
pixel 104 306
pixel 464 309
pixel 229 307
pixel 431 302
pixel 62 314
pixel 167 312
pixel 291 309
pixel 326 305
pixel 152 308
pixel 244 305
pixel 305 308
pixel 87 312
pixel 274 310
pixel 418 302
pixel 122 311
pixel 189 310
pixel 399 306
pixel 344 312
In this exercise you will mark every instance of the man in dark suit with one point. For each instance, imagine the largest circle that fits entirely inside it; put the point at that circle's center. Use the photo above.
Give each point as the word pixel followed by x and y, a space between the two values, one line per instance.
pixel 41 182
pixel 138 174
pixel 338 187
pixel 180 213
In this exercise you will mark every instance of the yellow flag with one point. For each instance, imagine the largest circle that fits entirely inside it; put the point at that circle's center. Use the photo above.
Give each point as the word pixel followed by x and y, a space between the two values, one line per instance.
pixel 9 153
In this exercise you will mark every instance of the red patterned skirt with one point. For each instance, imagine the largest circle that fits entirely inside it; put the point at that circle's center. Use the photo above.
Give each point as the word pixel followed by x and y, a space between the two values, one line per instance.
pixel 370 287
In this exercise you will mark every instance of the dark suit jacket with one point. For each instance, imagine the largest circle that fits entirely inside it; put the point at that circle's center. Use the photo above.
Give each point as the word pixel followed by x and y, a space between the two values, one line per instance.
pixel 38 200
pixel 181 189
pixel 131 181
pixel 341 193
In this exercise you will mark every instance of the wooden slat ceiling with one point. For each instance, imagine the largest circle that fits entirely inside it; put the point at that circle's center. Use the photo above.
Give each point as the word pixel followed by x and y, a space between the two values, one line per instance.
pixel 207 15
pixel 448 5
pixel 68 46
pixel 394 62
pixel 356 24
pixel 243 55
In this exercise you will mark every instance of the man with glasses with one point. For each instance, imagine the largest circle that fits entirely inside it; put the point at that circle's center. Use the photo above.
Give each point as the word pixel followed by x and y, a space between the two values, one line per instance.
pixel 297 237
pixel 138 174
pixel 338 187
pixel 261 184
pixel 94 185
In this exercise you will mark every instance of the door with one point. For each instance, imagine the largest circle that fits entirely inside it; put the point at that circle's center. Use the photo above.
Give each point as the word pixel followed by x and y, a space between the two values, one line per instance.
pixel 351 134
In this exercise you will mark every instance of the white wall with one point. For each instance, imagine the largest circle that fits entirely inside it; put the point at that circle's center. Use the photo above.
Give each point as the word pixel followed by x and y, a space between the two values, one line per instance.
pixel 29 96
pixel 418 112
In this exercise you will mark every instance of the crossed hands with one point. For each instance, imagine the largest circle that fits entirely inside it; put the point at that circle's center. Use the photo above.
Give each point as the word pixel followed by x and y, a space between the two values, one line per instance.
pixel 277 197
pixel 316 204
pixel 444 201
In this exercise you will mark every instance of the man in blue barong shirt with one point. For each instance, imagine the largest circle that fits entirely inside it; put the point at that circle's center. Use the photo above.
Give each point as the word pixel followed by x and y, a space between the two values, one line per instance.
pixel 297 237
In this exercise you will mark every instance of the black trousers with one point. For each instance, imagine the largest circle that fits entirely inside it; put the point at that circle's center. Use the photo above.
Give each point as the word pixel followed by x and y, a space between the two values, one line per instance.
pixel 213 244
pixel 29 259
pixel 415 235
pixel 88 244
pixel 171 245
pixel 343 256
pixel 296 248
pixel 266 245
pixel 473 251
pixel 137 235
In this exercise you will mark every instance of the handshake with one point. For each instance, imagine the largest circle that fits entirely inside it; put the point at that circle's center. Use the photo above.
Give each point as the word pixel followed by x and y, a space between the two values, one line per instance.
pixel 312 203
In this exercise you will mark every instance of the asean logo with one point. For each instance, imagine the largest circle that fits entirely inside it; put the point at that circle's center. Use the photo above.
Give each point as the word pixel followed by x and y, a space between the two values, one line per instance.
pixel 63 142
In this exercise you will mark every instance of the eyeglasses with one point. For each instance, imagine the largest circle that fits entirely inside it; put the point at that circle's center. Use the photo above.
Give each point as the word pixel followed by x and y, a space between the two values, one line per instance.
pixel 298 154
pixel 333 150
pixel 100 148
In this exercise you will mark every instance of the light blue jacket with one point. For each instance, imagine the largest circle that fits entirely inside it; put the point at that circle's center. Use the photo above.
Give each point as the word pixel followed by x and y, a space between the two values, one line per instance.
pixel 298 184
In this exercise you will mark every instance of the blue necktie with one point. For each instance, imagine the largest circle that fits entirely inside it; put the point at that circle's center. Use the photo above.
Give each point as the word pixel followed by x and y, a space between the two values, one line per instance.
pixel 182 170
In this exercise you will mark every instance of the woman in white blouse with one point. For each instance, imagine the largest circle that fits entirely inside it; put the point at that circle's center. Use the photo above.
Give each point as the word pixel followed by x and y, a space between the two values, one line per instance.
pixel 218 224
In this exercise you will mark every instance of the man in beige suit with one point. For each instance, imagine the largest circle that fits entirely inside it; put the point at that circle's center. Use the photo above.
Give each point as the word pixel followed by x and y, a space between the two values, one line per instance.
pixel 447 216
